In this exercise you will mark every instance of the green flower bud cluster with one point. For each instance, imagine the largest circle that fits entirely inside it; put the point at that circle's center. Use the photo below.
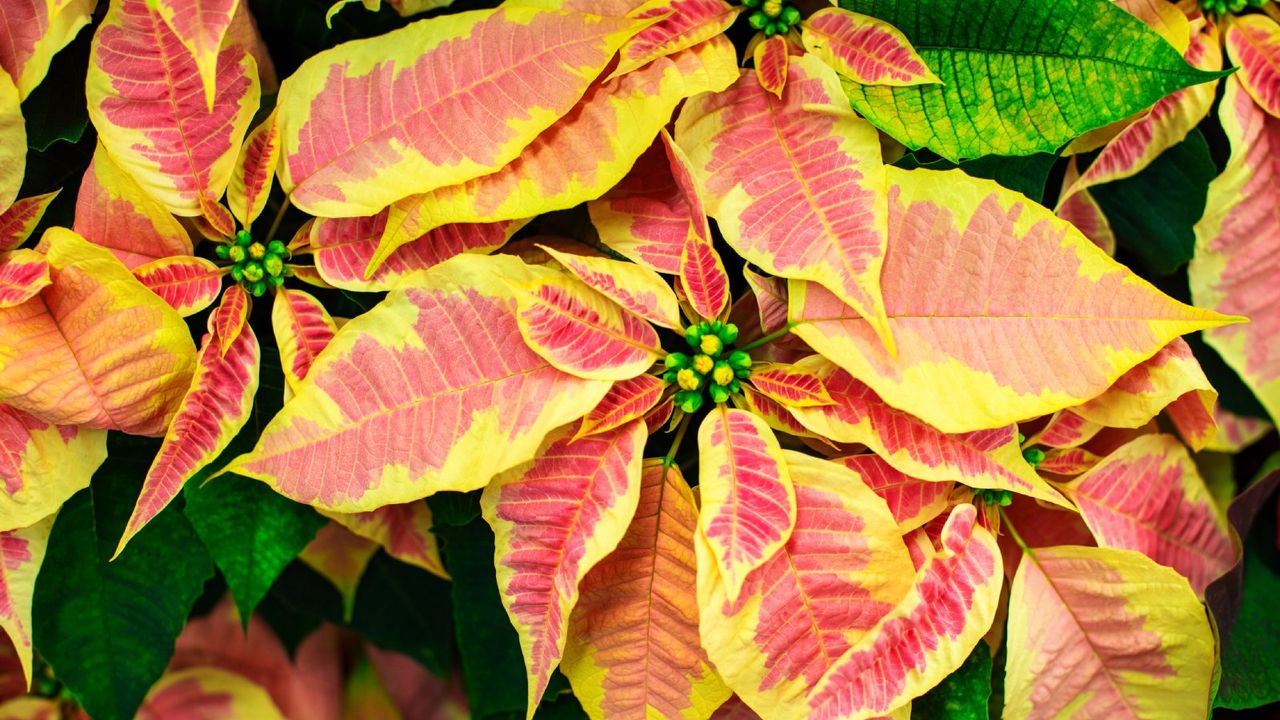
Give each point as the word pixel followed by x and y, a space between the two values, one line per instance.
pixel 1003 498
pixel 774 17
pixel 254 265
pixel 1222 7
pixel 713 369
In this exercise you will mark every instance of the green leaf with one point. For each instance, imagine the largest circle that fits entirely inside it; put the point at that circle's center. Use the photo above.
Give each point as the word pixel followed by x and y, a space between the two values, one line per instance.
pixel 1154 213
pixel 108 628
pixel 405 608
pixel 962 695
pixel 1018 77
pixel 252 532
pixel 1027 174
pixel 1251 655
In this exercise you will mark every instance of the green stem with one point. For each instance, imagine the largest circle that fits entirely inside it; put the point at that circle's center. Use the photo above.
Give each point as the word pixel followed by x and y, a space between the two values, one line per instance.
pixel 767 338
pixel 670 459
pixel 275 224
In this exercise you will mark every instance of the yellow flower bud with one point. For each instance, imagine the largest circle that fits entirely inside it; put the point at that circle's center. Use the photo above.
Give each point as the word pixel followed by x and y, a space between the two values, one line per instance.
pixel 688 380
pixel 703 364
pixel 723 374
pixel 710 344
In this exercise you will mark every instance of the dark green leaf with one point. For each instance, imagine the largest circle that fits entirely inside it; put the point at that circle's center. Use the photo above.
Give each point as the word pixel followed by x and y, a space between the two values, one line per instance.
pixel 1154 212
pixel 962 695
pixel 1018 77
pixel 108 628
pixel 1251 655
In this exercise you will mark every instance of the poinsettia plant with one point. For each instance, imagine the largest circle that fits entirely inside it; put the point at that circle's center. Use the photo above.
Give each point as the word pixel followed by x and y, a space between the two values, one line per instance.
pixel 665 359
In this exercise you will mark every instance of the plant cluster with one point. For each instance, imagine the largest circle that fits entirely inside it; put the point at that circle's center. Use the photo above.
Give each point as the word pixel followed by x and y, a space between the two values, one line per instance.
pixel 634 359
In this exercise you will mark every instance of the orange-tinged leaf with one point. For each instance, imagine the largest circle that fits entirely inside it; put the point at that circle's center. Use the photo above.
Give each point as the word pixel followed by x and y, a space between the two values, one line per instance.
pixel 341 556
pixel 200 26
pixel 632 650
pixel 553 519
pixel 458 405
pixel 774 414
pixel 625 401
pixel 21 553
pixel 703 277
pixel 582 332
pixel 1148 496
pixel 1254 44
pixel 796 184
pixel 344 247
pixel 971 268
pixel 632 286
pixel 1065 429
pixel 147 102
pixel 469 92
pixel 403 530
pixel 13 142
pixel 254 170
pixel 96 348
pixel 1083 211
pixel 979 458
pixel 912 501
pixel 772 59
pixel 790 385
pixel 1236 432
pixel 843 568
pixel 928 635
pixel 1067 461
pixel 1132 634
pixel 188 283
pixel 1236 241
pixel 684 23
pixel 659 415
pixel 23 274
pixel 216 406
pixel 41 465
pixel 581 156
pixel 1192 415
pixel 30 707
pixel 1149 387
pixel 20 220
pixel 771 299
pixel 748 502
pixel 864 49
pixel 33 32
pixel 113 211
pixel 302 328
pixel 232 316
pixel 207 693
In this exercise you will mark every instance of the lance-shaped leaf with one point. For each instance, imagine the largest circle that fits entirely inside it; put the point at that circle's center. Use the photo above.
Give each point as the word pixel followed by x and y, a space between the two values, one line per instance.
pixel 928 635
pixel 775 414
pixel 552 521
pixel 980 458
pixel 302 328
pixel 703 277
pixel 1000 310
pixel 113 211
pixel 843 569
pixel 21 553
pixel 341 556
pixel 13 142
pixel 458 405
pixel 912 501
pixel 253 172
pixel 20 220
pixel 1236 432
pixel 625 401
pixel 1235 246
pixel 34 31
pixel 208 693
pixel 1011 74
pixel 433 104
pixel 1067 461
pixel 683 24
pixel 772 60
pixel 1149 387
pixel 582 332
pixel 147 101
pixel 864 49
pixel 200 26
pixel 188 283
pixel 1065 429
pixel 96 348
pixel 790 385
pixel 580 157
pixel 1254 44
pixel 404 531
pixel 41 465
pixel 1134 636
pixel 1148 496
pixel 1166 125
pixel 215 408
pixel 344 247
pixel 632 286
pixel 748 502
pixel 632 647
pixel 23 274
pixel 796 184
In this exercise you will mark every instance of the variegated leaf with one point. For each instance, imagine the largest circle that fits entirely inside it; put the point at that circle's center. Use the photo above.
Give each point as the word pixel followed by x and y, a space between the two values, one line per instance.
pixel 553 520
pixel 864 49
pixel 253 172
pixel 113 211
pixel 912 501
pixel 632 286
pixel 200 26
pixel 1254 44
pixel 33 32
pixel 208 693
pixel 790 385
pixel 20 220
pixel 21 554
pixel 403 531
pixel 13 142
pixel 41 465
pixel 459 406
pixel 1149 387
pixel 341 556
pixel 625 401
pixel 772 60
pixel 23 274
pixel 188 283
pixel 303 329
